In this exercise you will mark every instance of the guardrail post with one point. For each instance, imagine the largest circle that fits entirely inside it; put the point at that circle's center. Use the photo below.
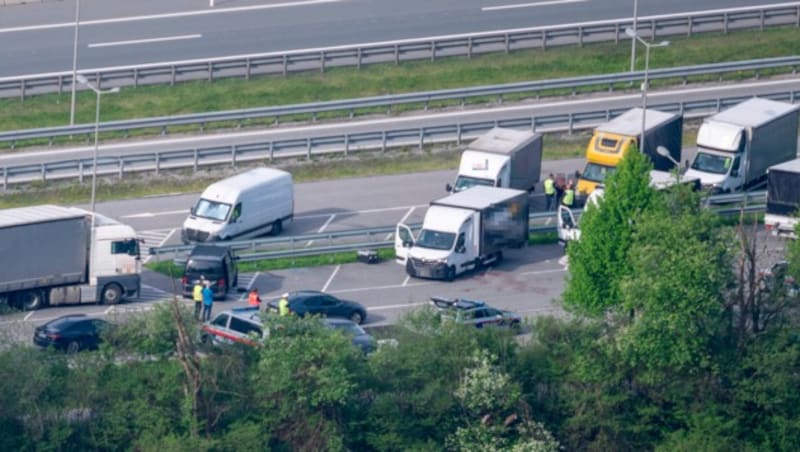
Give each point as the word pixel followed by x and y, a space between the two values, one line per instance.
pixel 135 77
pixel 98 79
pixel 725 23
pixel 397 54
pixel 690 24
pixel 44 172
pixel 5 179
pixel 508 43
pixel 233 156
pixel 196 160
pixel 358 58
pixel 763 19
pixel 158 162
pixel 421 138
pixel 210 71
pixel 383 142
pixel 433 50
pixel 285 65
pixel 346 144
pixel 569 124
pixel 653 29
pixel 469 48
pixel 121 170
pixel 80 172
pixel 22 89
pixel 60 84
pixel 172 77
pixel 458 134
pixel 308 148
pixel 247 69
pixel 580 36
pixel 797 17
pixel 533 124
pixel 322 61
pixel 616 33
pixel 544 39
pixel 271 151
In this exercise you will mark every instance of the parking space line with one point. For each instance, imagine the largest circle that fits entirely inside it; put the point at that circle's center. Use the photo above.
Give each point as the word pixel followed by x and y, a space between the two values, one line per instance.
pixel 405 281
pixel 328 283
pixel 542 272
pixel 397 306
pixel 393 286
pixel 402 220
pixel 28 316
pixel 322 228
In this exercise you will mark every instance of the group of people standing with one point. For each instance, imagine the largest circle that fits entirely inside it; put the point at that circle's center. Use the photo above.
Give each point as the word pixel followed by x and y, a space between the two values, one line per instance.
pixel 203 297
pixel 558 190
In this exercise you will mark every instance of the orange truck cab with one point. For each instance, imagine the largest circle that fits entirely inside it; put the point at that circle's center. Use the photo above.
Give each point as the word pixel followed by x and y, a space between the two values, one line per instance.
pixel 612 140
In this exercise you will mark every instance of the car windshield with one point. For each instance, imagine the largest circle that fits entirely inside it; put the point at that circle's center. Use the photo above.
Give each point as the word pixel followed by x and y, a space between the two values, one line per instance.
pixel 597 173
pixel 711 163
pixel 211 209
pixel 464 182
pixel 436 240
pixel 349 328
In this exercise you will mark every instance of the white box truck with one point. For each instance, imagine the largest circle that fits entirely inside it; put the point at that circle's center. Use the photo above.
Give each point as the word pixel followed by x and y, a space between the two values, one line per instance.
pixel 464 231
pixel 735 147
pixel 505 158
pixel 783 198
pixel 250 204
pixel 49 256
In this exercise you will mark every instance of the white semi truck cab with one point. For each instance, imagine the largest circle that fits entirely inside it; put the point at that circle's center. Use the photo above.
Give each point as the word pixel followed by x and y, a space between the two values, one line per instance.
pixel 735 147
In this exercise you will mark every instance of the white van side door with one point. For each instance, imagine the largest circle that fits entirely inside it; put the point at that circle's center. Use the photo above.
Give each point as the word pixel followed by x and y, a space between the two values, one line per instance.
pixel 567 226
pixel 403 240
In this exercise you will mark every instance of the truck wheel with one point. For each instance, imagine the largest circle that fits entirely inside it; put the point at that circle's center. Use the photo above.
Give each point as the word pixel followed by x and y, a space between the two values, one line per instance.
pixel 30 300
pixel 498 257
pixel 450 274
pixel 410 269
pixel 277 227
pixel 112 294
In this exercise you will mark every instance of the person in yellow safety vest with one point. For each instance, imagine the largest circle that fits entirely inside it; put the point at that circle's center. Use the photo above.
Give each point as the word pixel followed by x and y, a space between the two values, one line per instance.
pixel 283 305
pixel 197 296
pixel 253 300
pixel 569 195
pixel 549 192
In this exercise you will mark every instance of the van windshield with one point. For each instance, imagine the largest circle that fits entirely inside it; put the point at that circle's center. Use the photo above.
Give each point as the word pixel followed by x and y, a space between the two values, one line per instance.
pixel 211 209
pixel 597 173
pixel 464 182
pixel 711 163
pixel 436 240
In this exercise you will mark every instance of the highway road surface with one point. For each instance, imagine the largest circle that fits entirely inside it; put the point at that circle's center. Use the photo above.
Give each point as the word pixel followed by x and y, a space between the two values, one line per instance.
pixel 38 37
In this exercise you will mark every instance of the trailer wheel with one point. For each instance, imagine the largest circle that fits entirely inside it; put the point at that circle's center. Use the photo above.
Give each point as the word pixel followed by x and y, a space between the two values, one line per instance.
pixel 112 294
pixel 30 300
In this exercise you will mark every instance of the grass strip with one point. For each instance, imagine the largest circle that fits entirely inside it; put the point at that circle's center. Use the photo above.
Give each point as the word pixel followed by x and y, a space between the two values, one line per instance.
pixel 344 83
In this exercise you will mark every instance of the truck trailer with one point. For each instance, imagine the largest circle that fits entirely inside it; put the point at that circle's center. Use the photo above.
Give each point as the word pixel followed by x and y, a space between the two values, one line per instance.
pixel 735 147
pixel 505 158
pixel 49 255
pixel 612 140
pixel 464 231
pixel 783 198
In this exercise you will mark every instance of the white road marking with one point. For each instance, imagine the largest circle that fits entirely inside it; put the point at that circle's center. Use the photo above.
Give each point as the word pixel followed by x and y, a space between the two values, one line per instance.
pixel 530 5
pixel 109 310
pixel 402 220
pixel 397 306
pixel 395 121
pixel 322 228
pixel 543 272
pixel 297 217
pixel 204 12
pixel 393 286
pixel 549 219
pixel 28 316
pixel 405 281
pixel 144 41
pixel 155 214
pixel 328 283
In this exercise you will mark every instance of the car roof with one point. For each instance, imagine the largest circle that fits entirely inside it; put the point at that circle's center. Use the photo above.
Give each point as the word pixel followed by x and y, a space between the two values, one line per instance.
pixel 212 251
pixel 457 303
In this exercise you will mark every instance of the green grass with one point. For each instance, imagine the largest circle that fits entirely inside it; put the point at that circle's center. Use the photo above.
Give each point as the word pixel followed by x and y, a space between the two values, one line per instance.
pixel 343 83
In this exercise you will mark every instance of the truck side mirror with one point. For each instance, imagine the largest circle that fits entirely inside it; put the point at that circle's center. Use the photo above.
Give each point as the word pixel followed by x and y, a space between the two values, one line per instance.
pixel 461 249
pixel 735 173
pixel 448 187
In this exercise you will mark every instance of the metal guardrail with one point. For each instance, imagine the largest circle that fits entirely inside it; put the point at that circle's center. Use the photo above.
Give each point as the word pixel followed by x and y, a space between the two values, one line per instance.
pixel 386 103
pixel 322 144
pixel 467 44
pixel 288 245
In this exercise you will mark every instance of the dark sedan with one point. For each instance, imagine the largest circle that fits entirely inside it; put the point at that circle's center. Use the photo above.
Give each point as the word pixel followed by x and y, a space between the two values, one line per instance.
pixel 71 333
pixel 314 302
pixel 361 338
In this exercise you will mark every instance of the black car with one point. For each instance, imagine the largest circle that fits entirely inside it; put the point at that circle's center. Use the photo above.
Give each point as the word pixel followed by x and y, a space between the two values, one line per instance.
pixel 361 339
pixel 313 302
pixel 216 264
pixel 71 333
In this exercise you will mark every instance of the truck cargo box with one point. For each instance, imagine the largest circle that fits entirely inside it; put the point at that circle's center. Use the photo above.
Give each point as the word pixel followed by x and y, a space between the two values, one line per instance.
pixel 43 246
pixel 783 188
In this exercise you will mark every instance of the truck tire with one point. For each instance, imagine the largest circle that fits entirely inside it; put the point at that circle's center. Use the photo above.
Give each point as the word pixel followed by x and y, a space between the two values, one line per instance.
pixel 30 300
pixel 111 294
pixel 277 227
pixel 450 274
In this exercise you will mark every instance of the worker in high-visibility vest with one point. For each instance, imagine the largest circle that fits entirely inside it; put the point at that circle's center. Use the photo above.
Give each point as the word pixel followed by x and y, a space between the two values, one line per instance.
pixel 197 296
pixel 253 300
pixel 569 195
pixel 549 192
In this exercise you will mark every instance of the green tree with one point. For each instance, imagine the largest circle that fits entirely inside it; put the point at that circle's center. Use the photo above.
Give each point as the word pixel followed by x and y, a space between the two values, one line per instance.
pixel 599 260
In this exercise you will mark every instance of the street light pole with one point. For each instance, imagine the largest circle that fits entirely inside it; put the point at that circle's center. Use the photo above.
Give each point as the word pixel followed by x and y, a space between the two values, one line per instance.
pixel 635 37
pixel 633 41
pixel 84 81
pixel 74 62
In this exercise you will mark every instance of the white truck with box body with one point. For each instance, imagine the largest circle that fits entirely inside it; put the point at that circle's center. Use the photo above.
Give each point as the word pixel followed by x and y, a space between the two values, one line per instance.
pixel 783 198
pixel 250 204
pixel 464 231
pixel 736 146
pixel 49 256
pixel 505 158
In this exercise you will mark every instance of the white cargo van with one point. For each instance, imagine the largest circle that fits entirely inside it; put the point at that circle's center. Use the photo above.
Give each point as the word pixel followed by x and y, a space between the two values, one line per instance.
pixel 250 204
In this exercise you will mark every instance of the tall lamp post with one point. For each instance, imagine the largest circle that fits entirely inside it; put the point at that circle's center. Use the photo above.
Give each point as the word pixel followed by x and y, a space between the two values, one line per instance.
pixel 632 33
pixel 633 41
pixel 84 81
pixel 74 63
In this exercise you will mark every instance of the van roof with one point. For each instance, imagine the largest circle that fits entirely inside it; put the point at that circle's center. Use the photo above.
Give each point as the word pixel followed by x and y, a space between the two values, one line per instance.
pixel 630 122
pixel 222 190
pixel 754 112
pixel 208 251
pixel 478 197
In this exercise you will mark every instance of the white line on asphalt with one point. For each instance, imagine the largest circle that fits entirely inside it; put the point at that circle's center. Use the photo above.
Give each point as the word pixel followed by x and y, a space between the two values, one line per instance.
pixel 398 121
pixel 109 310
pixel 28 316
pixel 322 228
pixel 393 286
pixel 204 12
pixel 328 283
pixel 145 41
pixel 405 281
pixel 172 231
pixel 402 220
pixel 155 214
pixel 396 306
pixel 548 220
pixel 543 272
pixel 529 5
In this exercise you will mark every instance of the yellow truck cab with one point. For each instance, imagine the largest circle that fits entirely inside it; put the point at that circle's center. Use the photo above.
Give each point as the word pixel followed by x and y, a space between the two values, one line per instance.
pixel 612 140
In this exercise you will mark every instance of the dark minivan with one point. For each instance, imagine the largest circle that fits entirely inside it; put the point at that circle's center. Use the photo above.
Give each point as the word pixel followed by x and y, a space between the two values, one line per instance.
pixel 216 264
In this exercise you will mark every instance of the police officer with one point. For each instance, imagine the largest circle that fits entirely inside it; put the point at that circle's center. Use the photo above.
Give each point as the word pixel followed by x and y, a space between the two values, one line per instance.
pixel 197 296
pixel 549 192
pixel 569 195
pixel 283 305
